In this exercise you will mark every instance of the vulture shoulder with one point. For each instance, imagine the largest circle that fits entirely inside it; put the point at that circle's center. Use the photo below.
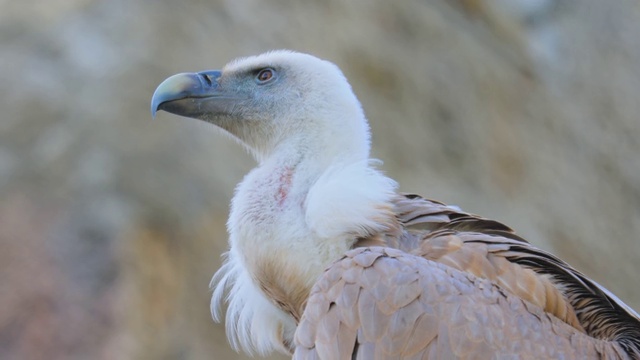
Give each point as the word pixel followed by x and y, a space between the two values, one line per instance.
pixel 457 286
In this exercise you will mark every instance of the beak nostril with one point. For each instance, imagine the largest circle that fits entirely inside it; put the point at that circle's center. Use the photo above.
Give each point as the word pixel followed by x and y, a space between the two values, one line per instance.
pixel 207 80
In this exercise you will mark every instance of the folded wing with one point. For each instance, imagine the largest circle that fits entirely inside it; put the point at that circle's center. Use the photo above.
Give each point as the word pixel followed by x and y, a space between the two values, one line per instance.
pixel 460 286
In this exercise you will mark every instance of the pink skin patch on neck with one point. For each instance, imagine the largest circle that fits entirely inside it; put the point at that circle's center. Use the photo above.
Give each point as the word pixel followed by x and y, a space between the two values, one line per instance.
pixel 284 185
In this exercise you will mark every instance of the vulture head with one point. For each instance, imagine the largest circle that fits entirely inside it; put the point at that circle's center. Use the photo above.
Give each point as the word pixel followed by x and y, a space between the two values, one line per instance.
pixel 277 99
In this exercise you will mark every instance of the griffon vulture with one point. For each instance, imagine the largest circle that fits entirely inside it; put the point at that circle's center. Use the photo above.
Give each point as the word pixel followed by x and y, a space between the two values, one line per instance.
pixel 327 260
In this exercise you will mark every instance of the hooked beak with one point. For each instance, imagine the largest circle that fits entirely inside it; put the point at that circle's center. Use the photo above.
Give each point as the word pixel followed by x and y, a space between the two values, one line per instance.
pixel 194 95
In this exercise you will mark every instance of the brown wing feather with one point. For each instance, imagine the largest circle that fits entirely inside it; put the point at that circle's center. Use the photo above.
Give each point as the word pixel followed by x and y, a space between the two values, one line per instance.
pixel 483 256
pixel 382 303
pixel 459 286
pixel 491 250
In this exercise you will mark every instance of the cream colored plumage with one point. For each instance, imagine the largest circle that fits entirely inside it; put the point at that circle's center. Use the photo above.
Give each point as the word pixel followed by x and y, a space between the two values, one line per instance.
pixel 405 277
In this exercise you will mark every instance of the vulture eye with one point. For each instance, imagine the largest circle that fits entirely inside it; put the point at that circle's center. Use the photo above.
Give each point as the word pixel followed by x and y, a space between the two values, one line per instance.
pixel 265 75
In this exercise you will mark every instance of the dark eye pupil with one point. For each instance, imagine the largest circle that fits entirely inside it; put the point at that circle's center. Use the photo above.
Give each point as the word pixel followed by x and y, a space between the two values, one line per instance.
pixel 265 75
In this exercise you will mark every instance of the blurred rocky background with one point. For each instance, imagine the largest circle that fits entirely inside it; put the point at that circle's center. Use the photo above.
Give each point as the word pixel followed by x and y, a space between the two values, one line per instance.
pixel 112 224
